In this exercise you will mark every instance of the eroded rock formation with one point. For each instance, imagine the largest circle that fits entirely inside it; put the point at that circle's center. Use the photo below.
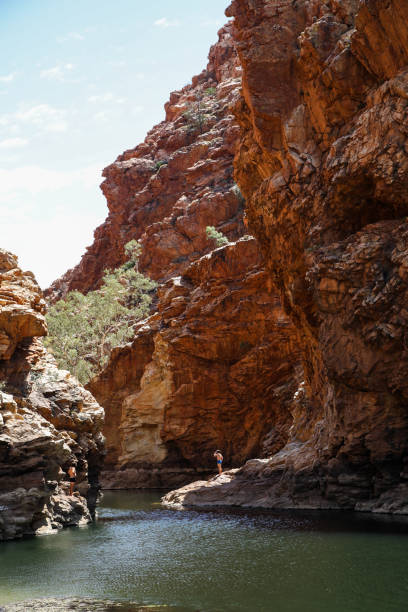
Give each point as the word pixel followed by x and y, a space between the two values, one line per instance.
pixel 323 164
pixel 178 181
pixel 47 420
pixel 215 363
pixel 215 366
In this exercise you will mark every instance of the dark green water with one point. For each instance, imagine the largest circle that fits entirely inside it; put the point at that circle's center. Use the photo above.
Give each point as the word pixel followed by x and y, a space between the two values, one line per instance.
pixel 216 562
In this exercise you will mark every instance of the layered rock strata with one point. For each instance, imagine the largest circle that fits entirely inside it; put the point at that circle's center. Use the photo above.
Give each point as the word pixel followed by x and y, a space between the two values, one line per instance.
pixel 323 164
pixel 215 367
pixel 47 420
pixel 166 190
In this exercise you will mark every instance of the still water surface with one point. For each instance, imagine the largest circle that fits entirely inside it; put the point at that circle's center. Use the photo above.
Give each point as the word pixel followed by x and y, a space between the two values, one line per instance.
pixel 216 561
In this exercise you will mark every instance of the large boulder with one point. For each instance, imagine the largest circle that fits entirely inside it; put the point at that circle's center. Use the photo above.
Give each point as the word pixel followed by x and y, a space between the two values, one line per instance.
pixel 48 421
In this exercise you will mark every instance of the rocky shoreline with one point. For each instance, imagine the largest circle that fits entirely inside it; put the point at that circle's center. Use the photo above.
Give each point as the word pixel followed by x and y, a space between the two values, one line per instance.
pixel 266 483
pixel 291 346
pixel 48 421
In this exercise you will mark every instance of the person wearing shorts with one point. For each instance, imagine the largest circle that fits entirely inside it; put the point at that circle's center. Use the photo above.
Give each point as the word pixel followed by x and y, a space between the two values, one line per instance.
pixel 220 459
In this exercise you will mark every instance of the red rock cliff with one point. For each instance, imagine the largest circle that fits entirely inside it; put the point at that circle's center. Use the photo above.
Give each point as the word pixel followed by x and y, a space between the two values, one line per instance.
pixel 168 189
pixel 323 164
pixel 215 367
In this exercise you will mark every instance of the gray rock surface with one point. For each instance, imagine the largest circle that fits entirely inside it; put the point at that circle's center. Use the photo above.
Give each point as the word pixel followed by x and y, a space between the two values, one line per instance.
pixel 48 421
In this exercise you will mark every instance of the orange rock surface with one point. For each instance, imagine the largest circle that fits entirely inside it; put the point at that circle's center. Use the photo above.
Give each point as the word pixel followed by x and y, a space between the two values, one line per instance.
pixel 48 421
pixel 323 164
pixel 169 188
pixel 215 367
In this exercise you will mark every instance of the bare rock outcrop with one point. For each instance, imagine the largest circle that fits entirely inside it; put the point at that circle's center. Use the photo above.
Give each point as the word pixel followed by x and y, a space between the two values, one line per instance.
pixel 215 367
pixel 216 364
pixel 179 180
pixel 48 421
pixel 323 165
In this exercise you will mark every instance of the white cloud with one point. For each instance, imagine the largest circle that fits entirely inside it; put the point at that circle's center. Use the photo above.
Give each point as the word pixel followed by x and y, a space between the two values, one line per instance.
pixel 91 176
pixel 13 143
pixel 117 63
pixel 106 97
pixel 43 116
pixel 70 36
pixel 102 116
pixel 44 203
pixel 65 234
pixel 56 126
pixel 167 23
pixel 57 73
pixel 7 78
pixel 217 23
pixel 32 180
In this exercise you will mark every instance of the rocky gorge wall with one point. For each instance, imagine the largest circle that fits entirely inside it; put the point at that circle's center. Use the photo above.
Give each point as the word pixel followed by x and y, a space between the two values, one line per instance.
pixel 165 191
pixel 48 421
pixel 215 367
pixel 323 165
pixel 216 362
pixel 180 389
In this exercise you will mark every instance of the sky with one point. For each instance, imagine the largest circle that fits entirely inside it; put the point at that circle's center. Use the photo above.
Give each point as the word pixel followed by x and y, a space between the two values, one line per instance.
pixel 80 82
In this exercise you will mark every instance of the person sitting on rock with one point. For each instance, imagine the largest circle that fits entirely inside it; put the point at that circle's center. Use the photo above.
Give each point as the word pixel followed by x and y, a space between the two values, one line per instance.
pixel 220 459
pixel 72 478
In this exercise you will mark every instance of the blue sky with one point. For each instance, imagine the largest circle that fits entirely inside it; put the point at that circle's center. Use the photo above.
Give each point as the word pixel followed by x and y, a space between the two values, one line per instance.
pixel 80 82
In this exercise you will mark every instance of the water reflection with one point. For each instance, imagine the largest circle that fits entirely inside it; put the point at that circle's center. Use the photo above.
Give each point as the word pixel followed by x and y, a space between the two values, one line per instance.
pixel 86 605
pixel 216 561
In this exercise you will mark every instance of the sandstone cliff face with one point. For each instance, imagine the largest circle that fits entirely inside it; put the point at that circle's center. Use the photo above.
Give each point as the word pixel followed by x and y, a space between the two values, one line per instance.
pixel 323 164
pixel 47 420
pixel 216 364
pixel 215 367
pixel 169 188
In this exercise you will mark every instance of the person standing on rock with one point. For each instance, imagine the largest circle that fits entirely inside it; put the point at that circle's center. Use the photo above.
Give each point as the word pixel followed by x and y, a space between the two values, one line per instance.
pixel 220 459
pixel 72 478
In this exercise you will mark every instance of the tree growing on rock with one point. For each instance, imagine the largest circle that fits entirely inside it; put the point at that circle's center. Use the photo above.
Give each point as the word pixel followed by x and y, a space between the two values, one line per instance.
pixel 218 237
pixel 200 112
pixel 83 329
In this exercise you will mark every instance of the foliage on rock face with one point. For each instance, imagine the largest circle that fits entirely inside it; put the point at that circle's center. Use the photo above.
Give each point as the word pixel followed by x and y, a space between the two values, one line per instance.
pixel 200 112
pixel 160 163
pixel 218 237
pixel 83 329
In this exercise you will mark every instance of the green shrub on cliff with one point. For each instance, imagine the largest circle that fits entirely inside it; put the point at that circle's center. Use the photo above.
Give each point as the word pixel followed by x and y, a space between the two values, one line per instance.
pixel 218 237
pixel 83 329
pixel 199 113
pixel 210 91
